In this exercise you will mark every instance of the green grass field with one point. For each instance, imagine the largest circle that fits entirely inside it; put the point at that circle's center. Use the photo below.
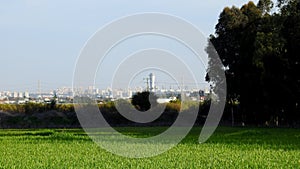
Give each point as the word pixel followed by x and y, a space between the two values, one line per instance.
pixel 227 148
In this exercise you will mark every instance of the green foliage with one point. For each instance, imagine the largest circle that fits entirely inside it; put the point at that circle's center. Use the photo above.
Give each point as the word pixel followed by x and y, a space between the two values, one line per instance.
pixel 30 108
pixel 64 107
pixel 107 107
pixel 173 106
pixel 190 105
pixel 260 53
pixel 265 5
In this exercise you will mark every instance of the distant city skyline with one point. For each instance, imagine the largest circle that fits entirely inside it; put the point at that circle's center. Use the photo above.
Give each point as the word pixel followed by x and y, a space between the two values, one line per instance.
pixel 41 40
pixel 66 94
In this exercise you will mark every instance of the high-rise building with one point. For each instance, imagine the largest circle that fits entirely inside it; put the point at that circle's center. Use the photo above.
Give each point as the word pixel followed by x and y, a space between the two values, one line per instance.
pixel 15 95
pixel 152 82
pixel 20 94
pixel 26 94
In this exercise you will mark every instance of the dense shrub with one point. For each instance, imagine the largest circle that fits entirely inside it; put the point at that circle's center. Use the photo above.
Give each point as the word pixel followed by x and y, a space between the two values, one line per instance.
pixel 173 107
pixel 30 108
pixel 64 108
pixel 107 109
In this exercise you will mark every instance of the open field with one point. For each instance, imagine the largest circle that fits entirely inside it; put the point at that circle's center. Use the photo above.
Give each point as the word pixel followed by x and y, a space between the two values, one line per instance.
pixel 227 148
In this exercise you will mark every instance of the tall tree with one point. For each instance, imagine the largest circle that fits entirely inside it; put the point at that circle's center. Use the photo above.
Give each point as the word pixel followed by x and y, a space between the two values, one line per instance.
pixel 265 6
pixel 290 14
pixel 260 54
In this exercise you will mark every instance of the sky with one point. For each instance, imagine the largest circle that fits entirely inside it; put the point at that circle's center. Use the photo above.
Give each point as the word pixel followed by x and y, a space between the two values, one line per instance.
pixel 42 39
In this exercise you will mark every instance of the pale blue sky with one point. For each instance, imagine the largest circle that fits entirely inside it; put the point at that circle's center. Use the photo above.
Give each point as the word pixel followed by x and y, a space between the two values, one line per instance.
pixel 41 39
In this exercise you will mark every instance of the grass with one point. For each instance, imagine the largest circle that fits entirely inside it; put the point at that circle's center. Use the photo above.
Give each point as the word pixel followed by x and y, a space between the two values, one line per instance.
pixel 227 148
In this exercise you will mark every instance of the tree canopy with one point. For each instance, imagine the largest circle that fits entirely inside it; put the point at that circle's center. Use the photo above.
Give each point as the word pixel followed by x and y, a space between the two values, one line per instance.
pixel 143 101
pixel 259 46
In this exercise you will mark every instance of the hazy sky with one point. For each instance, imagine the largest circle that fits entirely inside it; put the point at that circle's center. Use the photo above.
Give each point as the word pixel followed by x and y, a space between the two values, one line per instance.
pixel 41 39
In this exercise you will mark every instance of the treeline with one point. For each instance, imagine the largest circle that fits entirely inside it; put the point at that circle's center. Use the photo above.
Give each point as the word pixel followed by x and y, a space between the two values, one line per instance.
pixel 41 115
pixel 30 108
pixel 259 46
pixel 168 116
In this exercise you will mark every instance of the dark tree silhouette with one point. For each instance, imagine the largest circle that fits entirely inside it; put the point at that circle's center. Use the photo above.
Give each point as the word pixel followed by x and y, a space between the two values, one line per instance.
pixel 260 53
pixel 143 101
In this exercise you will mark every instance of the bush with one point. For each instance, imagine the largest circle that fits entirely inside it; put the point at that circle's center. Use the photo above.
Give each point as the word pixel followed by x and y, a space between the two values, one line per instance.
pixel 65 108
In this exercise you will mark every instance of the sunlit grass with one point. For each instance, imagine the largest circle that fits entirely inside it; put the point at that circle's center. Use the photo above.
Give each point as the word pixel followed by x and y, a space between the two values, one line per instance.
pixel 227 148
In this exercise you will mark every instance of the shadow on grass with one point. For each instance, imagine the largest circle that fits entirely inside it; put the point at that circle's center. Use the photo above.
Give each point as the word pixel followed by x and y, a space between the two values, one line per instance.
pixel 266 138
pixel 44 135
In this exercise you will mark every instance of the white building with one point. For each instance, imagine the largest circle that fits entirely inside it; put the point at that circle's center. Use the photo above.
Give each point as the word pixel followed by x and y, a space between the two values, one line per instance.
pixel 20 95
pixel 15 95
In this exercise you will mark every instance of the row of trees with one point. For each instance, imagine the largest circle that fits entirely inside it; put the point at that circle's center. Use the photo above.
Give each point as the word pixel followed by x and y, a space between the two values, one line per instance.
pixel 259 46
pixel 30 108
